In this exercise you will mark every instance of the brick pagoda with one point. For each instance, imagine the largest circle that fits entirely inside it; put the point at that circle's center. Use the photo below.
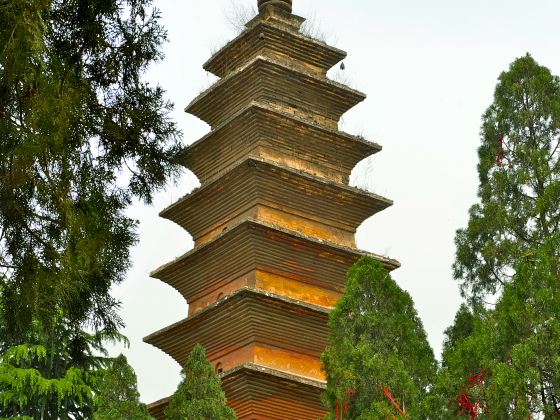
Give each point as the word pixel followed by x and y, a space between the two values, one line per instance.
pixel 273 221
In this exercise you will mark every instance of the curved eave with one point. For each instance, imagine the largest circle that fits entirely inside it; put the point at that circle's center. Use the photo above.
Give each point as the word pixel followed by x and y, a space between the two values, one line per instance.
pixel 157 408
pixel 278 39
pixel 247 316
pixel 257 123
pixel 264 78
pixel 267 183
pixel 253 244
pixel 257 392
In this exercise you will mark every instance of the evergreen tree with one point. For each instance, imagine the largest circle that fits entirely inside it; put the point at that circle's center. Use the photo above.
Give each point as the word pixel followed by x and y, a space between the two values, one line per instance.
pixel 118 397
pixel 199 395
pixel 376 341
pixel 81 137
pixel 456 391
pixel 514 347
pixel 519 174
pixel 54 379
pixel 511 248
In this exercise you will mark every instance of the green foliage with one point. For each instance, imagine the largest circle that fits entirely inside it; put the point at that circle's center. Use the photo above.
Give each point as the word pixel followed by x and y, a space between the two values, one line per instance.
pixel 516 343
pixel 199 395
pixel 82 136
pixel 376 340
pixel 75 114
pixel 519 202
pixel 511 248
pixel 118 397
pixel 55 380
pixel 463 357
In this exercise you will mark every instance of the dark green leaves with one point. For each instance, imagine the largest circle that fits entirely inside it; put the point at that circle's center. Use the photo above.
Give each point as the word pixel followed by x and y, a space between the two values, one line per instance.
pixel 199 395
pixel 376 340
pixel 511 249
pixel 118 397
pixel 520 200
pixel 81 137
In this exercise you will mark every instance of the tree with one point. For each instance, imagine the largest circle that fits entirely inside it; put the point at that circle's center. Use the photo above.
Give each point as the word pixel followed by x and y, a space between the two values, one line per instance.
pixel 511 249
pixel 75 113
pixel 515 346
pixel 54 379
pixel 519 173
pixel 118 397
pixel 199 395
pixel 82 136
pixel 457 390
pixel 376 341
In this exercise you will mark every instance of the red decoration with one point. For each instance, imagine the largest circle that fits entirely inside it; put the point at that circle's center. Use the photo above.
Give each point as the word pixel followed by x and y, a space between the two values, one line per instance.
pixel 349 395
pixel 336 414
pixel 467 406
pixel 386 391
pixel 501 152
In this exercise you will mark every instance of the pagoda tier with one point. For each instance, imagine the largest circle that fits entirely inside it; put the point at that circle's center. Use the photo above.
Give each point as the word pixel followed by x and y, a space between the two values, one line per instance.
pixel 273 221
pixel 262 131
pixel 279 84
pixel 271 37
pixel 259 255
pixel 260 393
pixel 252 326
pixel 276 194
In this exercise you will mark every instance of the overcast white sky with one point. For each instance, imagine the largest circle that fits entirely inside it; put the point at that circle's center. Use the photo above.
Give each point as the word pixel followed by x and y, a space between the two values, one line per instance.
pixel 429 69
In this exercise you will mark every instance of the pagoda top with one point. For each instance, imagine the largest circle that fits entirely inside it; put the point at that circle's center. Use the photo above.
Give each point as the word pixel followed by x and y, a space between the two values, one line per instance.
pixel 285 5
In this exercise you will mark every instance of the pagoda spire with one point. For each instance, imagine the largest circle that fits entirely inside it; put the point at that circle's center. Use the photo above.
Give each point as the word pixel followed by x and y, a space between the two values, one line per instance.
pixel 285 5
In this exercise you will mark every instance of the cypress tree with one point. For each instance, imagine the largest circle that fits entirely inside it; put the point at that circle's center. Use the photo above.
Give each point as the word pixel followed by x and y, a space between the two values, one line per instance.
pixel 199 395
pixel 376 342
pixel 118 397
pixel 510 252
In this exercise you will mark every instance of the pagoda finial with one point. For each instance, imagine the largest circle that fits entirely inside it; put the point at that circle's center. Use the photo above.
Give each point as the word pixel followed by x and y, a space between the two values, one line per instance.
pixel 285 5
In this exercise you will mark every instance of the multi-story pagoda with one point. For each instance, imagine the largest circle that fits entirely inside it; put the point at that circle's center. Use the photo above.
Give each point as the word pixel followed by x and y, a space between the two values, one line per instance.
pixel 273 221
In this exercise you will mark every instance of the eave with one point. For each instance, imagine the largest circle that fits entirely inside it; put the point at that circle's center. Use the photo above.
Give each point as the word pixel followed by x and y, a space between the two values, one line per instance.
pixel 275 40
pixel 262 131
pixel 287 191
pixel 267 80
pixel 255 245
pixel 157 408
pixel 255 392
pixel 246 317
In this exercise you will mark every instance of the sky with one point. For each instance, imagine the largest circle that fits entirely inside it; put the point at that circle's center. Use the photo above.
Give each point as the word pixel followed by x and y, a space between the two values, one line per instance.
pixel 428 68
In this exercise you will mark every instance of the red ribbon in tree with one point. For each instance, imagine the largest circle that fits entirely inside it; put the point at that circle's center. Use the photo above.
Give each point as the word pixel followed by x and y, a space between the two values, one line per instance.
pixel 467 406
pixel 386 391
pixel 336 414
pixel 501 152
pixel 349 395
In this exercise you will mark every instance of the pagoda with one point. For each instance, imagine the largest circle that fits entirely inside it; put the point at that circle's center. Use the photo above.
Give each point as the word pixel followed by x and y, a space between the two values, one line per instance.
pixel 273 221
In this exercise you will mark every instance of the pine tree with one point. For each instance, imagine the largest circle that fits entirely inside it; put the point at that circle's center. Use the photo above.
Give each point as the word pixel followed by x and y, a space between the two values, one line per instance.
pixel 199 395
pixel 376 341
pixel 118 397
pixel 75 118
pixel 82 136
pixel 511 249
pixel 514 346
pixel 519 173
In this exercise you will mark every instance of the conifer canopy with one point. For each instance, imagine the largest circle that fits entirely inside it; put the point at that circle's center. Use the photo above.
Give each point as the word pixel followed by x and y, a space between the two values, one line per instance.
pixel 200 394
